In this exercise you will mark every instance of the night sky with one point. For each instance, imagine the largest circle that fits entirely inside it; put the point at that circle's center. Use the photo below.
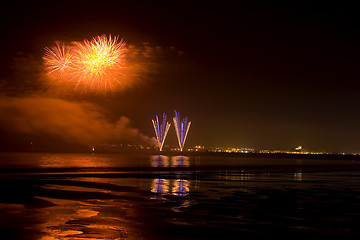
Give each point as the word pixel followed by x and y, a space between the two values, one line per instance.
pixel 260 75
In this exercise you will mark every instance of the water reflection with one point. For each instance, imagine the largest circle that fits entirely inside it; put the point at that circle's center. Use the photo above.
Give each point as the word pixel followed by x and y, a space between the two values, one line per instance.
pixel 180 161
pixel 159 161
pixel 80 220
pixel 173 161
pixel 72 160
pixel 238 176
pixel 160 187
pixel 298 176
pixel 180 187
pixel 176 187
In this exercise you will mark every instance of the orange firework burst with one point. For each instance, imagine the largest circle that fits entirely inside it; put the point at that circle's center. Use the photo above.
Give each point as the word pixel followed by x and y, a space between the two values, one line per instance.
pixel 58 59
pixel 95 64
pixel 100 61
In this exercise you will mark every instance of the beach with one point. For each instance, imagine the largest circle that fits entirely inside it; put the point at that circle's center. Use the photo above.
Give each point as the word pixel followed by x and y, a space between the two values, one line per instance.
pixel 117 196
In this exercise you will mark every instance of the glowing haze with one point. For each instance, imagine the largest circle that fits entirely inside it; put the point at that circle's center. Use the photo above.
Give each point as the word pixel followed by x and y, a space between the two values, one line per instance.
pixel 43 112
pixel 72 122
pixel 89 65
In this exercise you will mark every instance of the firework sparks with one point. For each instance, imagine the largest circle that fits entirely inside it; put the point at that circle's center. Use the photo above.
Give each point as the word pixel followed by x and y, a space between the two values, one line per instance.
pixel 182 129
pixel 58 59
pixel 94 64
pixel 100 60
pixel 161 130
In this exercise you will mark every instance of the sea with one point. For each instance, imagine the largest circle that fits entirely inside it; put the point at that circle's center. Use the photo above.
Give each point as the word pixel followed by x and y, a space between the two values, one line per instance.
pixel 48 196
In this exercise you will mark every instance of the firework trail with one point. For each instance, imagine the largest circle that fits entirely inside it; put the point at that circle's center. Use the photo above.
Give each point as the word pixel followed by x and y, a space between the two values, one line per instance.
pixel 95 64
pixel 182 129
pixel 161 130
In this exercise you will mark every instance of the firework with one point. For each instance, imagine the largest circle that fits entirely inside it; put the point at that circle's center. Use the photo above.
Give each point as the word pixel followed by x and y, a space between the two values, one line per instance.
pixel 182 129
pixel 161 130
pixel 94 64
pixel 100 61
pixel 59 60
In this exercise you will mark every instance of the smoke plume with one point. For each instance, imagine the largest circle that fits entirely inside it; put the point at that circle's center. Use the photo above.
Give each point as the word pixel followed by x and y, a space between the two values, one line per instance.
pixel 73 122
pixel 33 107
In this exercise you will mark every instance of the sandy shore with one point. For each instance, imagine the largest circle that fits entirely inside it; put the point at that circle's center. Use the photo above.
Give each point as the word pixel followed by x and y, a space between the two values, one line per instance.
pixel 206 201
pixel 207 206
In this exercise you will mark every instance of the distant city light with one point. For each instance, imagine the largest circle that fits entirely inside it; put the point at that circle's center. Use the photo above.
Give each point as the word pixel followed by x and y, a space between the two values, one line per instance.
pixel 299 148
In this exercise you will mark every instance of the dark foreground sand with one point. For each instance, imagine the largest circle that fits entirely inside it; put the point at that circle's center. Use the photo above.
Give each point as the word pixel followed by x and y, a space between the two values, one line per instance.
pixel 289 202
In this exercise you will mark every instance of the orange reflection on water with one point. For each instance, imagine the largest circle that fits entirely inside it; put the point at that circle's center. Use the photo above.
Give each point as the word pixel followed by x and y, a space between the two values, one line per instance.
pixel 57 217
pixel 238 176
pixel 72 160
pixel 70 220
pixel 298 176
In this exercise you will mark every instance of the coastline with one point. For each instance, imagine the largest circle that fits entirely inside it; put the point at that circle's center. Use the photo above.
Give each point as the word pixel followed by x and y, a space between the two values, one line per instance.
pixel 194 197
pixel 328 156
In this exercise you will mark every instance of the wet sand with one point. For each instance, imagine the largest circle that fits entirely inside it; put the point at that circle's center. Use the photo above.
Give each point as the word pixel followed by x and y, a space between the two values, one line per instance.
pixel 164 200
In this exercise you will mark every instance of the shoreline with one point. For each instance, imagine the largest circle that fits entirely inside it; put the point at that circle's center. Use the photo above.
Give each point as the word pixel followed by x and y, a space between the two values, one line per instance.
pixel 151 172
pixel 120 164
pixel 327 156
pixel 251 197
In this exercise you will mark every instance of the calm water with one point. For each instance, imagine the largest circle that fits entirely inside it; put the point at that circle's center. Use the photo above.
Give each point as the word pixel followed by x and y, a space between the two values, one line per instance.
pixel 85 196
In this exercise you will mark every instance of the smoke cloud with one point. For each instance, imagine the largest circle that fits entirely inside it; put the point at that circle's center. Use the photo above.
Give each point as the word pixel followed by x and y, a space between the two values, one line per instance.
pixel 73 122
pixel 32 106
